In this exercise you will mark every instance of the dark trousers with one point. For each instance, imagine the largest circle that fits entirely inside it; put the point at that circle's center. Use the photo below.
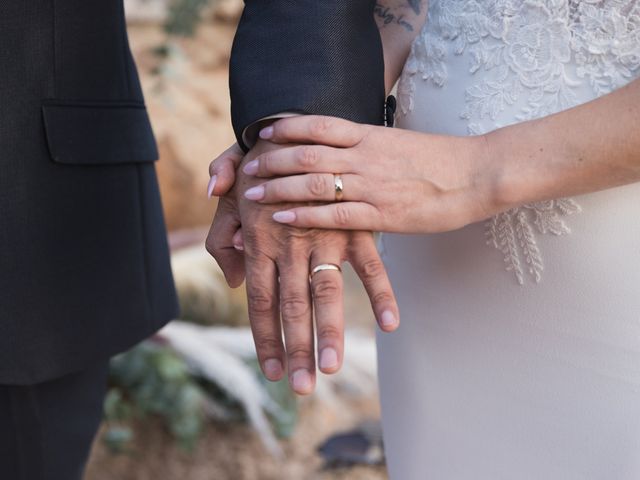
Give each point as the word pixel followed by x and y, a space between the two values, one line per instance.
pixel 46 430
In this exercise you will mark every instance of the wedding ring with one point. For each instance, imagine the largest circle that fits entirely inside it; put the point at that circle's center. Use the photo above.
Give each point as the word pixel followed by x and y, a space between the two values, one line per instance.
pixel 337 181
pixel 324 266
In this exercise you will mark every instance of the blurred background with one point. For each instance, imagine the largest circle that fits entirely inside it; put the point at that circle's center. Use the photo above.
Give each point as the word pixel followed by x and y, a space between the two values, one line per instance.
pixel 190 403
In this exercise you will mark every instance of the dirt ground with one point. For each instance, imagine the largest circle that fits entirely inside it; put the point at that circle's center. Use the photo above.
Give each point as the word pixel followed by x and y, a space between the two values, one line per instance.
pixel 233 452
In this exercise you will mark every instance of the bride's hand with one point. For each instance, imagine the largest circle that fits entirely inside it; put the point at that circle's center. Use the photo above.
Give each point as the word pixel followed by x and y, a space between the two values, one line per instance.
pixel 393 180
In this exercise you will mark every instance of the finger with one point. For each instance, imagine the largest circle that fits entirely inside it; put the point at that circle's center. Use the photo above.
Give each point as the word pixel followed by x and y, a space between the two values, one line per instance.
pixel 364 257
pixel 219 244
pixel 338 216
pixel 238 240
pixel 264 316
pixel 309 187
pixel 331 131
pixel 223 171
pixel 299 159
pixel 327 294
pixel 297 322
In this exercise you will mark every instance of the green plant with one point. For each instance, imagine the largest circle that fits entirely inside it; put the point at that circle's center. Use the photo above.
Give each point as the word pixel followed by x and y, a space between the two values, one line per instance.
pixel 183 16
pixel 151 379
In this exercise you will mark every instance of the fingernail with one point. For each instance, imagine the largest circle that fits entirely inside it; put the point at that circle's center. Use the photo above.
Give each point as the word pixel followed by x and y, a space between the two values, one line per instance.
pixel 255 193
pixel 284 217
pixel 301 381
pixel 212 184
pixel 388 319
pixel 238 240
pixel 251 168
pixel 273 368
pixel 328 359
pixel 266 133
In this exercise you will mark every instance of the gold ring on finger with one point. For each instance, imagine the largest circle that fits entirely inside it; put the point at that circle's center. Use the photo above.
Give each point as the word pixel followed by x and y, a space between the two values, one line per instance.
pixel 324 266
pixel 337 181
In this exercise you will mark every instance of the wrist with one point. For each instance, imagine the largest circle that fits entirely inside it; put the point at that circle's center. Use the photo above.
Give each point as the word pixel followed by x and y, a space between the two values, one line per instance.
pixel 511 180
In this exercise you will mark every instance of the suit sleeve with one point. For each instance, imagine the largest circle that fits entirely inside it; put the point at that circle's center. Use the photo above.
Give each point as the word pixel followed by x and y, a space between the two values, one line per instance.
pixel 319 57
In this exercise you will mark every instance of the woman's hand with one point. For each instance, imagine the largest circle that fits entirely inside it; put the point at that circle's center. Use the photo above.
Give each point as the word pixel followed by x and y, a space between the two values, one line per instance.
pixel 393 180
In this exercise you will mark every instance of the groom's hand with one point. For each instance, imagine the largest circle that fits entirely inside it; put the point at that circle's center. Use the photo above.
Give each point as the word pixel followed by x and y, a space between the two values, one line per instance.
pixel 277 262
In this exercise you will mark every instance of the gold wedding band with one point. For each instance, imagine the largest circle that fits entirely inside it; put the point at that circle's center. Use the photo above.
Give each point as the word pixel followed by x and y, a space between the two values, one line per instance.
pixel 337 181
pixel 325 266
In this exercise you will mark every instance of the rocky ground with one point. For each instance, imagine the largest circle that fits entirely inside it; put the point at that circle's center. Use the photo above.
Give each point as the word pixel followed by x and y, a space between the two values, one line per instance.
pixel 189 107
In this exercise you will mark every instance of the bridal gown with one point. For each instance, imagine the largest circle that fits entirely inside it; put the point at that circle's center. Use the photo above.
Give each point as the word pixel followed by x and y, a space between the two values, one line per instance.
pixel 518 355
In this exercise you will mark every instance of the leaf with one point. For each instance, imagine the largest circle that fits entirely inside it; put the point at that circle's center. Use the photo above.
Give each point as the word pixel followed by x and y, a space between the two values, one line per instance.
pixel 116 408
pixel 184 16
pixel 117 438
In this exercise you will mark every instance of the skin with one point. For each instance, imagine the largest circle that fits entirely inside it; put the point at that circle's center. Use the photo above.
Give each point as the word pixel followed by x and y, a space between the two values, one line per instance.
pixel 276 259
pixel 422 183
pixel 399 22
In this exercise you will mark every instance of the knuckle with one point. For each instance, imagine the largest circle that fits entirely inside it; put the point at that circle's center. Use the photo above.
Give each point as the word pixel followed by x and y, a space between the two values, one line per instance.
pixel 275 190
pixel 252 236
pixel 294 308
pixel 325 290
pixel 330 332
pixel 267 345
pixel 260 301
pixel 300 352
pixel 308 157
pixel 372 268
pixel 265 162
pixel 317 185
pixel 382 298
pixel 342 215
pixel 320 126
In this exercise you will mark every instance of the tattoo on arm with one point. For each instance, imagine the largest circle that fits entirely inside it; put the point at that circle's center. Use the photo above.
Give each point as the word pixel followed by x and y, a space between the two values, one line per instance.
pixel 395 15
pixel 415 6
pixel 387 16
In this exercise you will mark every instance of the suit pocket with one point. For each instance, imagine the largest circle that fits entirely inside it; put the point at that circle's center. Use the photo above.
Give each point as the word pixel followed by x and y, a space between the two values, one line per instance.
pixel 98 133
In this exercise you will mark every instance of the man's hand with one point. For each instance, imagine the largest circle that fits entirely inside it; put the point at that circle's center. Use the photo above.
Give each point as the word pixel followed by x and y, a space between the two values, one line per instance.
pixel 277 262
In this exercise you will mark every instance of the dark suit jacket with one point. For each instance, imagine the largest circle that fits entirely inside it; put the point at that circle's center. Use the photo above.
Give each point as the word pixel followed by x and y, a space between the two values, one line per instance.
pixel 319 57
pixel 84 268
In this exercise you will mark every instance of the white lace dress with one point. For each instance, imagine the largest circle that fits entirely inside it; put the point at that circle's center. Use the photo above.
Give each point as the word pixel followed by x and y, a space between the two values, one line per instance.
pixel 519 353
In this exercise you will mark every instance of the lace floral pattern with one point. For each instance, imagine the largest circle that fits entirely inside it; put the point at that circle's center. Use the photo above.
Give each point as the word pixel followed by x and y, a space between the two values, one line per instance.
pixel 535 54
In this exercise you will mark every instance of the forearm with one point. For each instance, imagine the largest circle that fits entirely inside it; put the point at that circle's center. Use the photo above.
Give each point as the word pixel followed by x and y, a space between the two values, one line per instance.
pixel 306 57
pixel 591 147
pixel 399 21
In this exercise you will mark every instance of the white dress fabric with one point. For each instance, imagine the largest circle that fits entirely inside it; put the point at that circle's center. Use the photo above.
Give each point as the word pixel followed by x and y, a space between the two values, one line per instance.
pixel 518 356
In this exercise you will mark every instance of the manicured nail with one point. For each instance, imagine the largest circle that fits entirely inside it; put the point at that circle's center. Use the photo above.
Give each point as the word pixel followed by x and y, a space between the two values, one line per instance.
pixel 273 368
pixel 255 193
pixel 388 319
pixel 328 359
pixel 251 168
pixel 301 381
pixel 212 184
pixel 238 247
pixel 266 133
pixel 284 217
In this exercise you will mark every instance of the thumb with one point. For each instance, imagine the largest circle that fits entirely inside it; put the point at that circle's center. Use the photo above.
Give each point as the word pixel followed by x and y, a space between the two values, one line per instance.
pixel 222 171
